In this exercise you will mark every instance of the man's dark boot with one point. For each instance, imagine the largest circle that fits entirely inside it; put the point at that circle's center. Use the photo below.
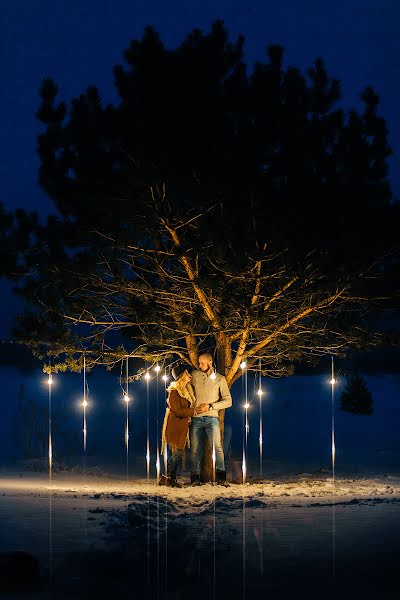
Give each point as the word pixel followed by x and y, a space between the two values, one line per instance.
pixel 220 478
pixel 195 480
pixel 174 483
pixel 164 480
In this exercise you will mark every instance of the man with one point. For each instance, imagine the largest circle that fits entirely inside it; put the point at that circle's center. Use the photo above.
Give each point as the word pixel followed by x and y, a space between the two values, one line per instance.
pixel 212 390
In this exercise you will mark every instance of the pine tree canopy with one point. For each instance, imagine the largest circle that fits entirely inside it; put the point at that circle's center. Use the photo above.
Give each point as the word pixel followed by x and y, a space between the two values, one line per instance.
pixel 214 207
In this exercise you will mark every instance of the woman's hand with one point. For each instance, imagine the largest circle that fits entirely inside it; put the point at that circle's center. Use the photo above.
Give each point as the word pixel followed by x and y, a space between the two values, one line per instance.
pixel 202 409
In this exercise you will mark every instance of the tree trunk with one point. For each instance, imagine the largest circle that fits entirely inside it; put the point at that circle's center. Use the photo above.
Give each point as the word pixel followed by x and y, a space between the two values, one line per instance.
pixel 224 359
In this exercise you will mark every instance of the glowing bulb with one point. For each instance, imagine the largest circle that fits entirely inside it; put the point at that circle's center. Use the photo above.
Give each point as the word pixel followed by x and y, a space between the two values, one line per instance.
pixel 246 405
pixel 260 392
pixel 126 398
pixel 157 368
pixel 333 381
pixel 84 403
pixel 147 376
pixel 164 378
pixel 212 376
pixel 50 380
pixel 243 364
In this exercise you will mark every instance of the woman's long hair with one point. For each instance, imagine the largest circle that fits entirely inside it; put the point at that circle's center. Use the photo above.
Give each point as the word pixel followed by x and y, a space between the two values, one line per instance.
pixel 186 391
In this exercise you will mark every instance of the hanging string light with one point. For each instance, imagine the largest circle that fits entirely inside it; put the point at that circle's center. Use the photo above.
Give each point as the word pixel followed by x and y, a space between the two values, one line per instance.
pixel 126 398
pixel 333 448
pixel 246 405
pixel 147 378
pixel 260 439
pixel 165 379
pixel 49 384
pixel 84 404
pixel 333 383
pixel 157 369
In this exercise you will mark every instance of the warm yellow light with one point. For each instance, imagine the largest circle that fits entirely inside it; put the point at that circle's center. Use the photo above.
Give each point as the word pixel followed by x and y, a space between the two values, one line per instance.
pixel 126 398
pixel 157 368
pixel 260 392
pixel 212 376
pixel 147 376
pixel 50 380
pixel 164 378
pixel 246 405
pixel 84 403
pixel 244 469
pixel 243 364
pixel 333 381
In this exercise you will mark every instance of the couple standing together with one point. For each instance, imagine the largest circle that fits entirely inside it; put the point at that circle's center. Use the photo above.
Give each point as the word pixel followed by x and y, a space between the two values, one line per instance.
pixel 192 406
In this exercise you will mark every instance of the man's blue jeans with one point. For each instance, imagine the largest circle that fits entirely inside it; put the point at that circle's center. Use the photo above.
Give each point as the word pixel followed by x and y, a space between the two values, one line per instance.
pixel 200 427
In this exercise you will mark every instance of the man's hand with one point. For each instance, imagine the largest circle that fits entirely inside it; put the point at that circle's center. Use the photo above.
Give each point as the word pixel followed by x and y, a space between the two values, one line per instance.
pixel 202 408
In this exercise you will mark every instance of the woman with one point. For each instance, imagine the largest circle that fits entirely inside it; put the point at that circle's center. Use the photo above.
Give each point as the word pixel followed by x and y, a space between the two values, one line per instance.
pixel 180 408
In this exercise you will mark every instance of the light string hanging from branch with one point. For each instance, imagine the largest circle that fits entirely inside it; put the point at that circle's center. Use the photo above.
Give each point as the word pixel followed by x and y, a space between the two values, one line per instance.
pixel 260 439
pixel 127 399
pixel 84 404
pixel 333 383
pixel 157 369
pixel 246 405
pixel 50 458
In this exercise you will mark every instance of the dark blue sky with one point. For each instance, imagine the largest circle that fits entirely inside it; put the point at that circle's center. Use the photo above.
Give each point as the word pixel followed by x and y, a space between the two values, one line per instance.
pixel 79 41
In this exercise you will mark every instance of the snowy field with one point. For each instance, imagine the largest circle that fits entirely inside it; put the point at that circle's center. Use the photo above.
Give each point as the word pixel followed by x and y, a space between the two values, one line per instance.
pixel 293 535
pixel 298 536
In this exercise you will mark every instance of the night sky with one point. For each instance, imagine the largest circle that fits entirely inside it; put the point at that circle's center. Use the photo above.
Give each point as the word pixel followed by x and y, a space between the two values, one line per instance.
pixel 78 42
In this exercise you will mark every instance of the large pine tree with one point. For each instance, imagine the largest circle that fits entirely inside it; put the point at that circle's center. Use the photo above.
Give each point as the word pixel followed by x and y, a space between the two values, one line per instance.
pixel 210 208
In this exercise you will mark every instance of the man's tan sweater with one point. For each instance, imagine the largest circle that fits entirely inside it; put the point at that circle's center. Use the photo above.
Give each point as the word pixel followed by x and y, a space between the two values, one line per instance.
pixel 211 389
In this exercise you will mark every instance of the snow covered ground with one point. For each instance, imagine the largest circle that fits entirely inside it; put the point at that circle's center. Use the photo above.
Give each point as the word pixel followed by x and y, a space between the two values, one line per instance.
pixel 295 536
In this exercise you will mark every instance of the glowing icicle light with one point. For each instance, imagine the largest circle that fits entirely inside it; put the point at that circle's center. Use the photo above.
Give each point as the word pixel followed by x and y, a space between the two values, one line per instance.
pixel 332 382
pixel 243 364
pixel 333 449
pixel 213 376
pixel 147 377
pixel 260 439
pixel 49 382
pixel 246 405
pixel 157 368
pixel 164 378
pixel 126 398
pixel 158 465
pixel 84 404
pixel 148 460
pixel 50 453
pixel 244 468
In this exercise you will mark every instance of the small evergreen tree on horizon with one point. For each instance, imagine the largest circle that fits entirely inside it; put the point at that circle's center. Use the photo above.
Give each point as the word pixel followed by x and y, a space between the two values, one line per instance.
pixel 356 397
